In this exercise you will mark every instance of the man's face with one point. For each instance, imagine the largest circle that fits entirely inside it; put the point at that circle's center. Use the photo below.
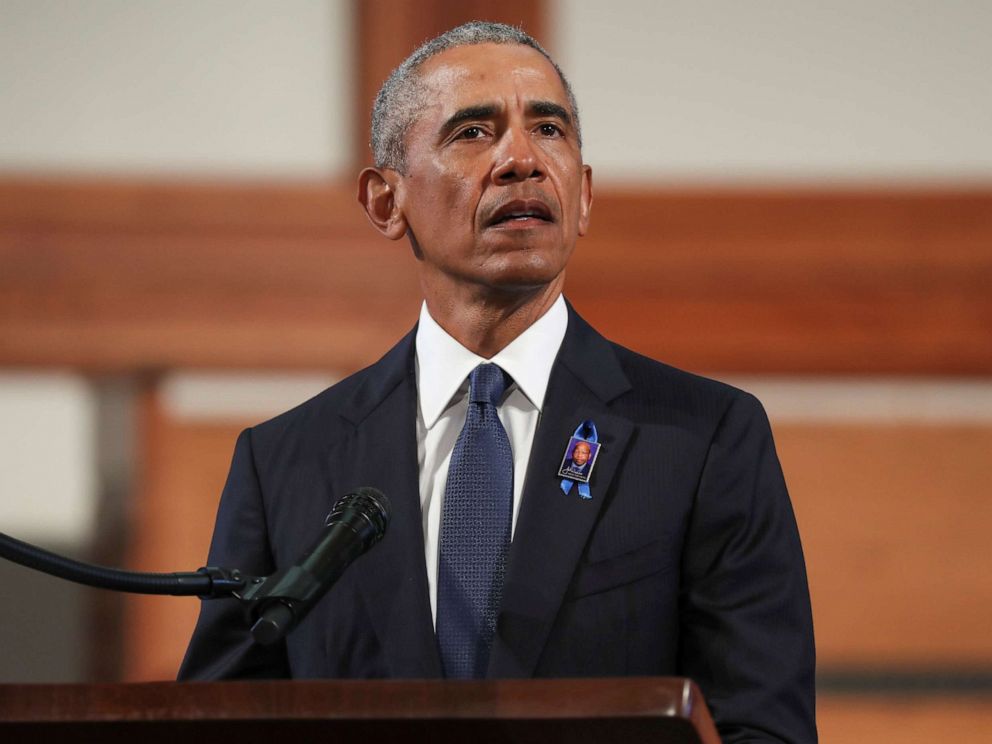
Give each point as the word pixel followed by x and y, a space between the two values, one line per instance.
pixel 495 193
pixel 580 455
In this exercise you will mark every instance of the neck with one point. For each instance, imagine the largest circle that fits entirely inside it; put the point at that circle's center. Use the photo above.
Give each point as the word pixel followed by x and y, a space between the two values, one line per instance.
pixel 487 322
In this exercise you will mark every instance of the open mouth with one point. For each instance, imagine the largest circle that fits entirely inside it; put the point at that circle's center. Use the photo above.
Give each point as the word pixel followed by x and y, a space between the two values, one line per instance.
pixel 521 213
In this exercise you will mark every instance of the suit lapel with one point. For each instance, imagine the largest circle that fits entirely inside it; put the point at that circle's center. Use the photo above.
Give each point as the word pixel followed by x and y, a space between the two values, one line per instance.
pixel 383 454
pixel 552 527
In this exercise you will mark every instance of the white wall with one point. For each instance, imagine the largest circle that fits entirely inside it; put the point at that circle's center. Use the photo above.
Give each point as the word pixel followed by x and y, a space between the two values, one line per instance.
pixel 48 460
pixel 781 90
pixel 671 91
pixel 220 88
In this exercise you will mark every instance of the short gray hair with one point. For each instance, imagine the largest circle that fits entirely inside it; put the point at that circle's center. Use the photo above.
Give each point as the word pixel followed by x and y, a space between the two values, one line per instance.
pixel 401 96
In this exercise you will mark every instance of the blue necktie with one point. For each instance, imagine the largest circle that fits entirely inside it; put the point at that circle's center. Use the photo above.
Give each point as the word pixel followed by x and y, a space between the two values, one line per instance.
pixel 475 530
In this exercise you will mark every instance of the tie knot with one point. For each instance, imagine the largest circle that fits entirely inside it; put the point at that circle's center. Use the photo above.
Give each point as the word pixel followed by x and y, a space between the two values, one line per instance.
pixel 487 383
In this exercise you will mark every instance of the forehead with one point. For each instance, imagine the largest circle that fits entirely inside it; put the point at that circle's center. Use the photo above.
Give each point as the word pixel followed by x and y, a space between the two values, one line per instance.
pixel 489 73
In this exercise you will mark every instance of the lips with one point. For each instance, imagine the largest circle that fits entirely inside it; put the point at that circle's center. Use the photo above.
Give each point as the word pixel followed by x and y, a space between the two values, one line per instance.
pixel 521 211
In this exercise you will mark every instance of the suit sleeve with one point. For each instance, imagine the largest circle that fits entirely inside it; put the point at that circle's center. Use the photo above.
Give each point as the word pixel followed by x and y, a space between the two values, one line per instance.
pixel 745 619
pixel 222 646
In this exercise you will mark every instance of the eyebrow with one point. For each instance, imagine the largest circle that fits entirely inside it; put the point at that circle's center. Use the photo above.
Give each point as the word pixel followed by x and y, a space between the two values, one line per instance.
pixel 490 110
pixel 549 108
pixel 482 111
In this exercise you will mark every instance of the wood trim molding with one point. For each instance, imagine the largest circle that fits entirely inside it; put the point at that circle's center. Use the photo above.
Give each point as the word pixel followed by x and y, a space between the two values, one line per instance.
pixel 127 276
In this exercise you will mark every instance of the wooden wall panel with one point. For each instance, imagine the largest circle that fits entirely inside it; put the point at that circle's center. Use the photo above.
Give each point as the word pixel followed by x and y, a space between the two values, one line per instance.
pixel 116 277
pixel 133 276
pixel 181 476
pixel 794 282
pixel 915 719
pixel 895 522
pixel 389 30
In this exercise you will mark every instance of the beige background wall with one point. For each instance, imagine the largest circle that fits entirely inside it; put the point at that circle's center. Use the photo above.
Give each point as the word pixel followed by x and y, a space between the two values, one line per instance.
pixel 232 88
pixel 770 90
pixel 773 90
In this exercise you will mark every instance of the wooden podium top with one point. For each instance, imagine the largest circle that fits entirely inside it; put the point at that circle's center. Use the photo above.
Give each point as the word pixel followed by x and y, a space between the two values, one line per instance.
pixel 628 710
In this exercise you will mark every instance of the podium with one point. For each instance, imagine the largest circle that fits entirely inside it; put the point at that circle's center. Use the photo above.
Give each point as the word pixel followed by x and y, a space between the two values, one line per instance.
pixel 663 710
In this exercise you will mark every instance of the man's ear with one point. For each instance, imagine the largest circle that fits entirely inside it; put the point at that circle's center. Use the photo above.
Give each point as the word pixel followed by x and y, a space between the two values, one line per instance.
pixel 377 194
pixel 585 200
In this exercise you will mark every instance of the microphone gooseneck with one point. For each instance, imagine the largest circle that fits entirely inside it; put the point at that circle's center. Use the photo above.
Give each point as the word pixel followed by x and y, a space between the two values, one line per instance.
pixel 275 604
pixel 207 583
pixel 278 603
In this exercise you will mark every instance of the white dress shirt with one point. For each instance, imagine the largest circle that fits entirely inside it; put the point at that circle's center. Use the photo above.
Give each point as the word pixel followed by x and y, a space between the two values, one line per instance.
pixel 443 366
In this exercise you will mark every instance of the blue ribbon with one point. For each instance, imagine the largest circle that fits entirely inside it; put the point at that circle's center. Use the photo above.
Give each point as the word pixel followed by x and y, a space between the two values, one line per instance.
pixel 587 431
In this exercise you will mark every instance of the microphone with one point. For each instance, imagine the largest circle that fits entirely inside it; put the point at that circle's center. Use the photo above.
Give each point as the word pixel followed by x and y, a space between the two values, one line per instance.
pixel 356 523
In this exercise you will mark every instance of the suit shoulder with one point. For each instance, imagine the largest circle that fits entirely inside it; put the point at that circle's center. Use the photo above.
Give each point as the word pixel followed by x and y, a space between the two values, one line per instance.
pixel 347 401
pixel 321 419
pixel 323 408
pixel 656 384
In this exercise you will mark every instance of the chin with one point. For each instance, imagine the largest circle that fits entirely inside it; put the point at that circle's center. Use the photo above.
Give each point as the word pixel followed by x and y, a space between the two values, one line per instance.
pixel 522 272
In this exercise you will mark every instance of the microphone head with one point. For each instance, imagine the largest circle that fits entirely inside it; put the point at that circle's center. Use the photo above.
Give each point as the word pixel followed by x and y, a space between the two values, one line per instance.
pixel 366 511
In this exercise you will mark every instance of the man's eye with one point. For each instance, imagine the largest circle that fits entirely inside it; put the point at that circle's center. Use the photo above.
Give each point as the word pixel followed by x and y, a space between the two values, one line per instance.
pixel 471 133
pixel 550 130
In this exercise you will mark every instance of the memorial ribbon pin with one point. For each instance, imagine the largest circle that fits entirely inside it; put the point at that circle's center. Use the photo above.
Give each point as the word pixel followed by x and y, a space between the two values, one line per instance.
pixel 580 458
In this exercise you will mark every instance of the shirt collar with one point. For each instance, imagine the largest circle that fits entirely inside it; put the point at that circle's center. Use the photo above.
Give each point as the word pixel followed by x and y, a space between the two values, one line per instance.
pixel 443 364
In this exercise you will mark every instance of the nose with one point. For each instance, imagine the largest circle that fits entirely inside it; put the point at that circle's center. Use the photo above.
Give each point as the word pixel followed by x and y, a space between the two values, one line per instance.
pixel 516 158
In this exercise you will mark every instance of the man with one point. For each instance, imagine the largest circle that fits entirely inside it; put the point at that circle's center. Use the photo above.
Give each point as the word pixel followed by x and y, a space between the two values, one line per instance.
pixel 578 465
pixel 679 557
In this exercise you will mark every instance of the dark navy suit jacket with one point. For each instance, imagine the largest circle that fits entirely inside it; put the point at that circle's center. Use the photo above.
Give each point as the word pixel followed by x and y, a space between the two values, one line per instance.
pixel 685 561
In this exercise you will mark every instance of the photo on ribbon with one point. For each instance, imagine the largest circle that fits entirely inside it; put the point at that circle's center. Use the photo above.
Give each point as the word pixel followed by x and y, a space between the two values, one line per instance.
pixel 580 456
